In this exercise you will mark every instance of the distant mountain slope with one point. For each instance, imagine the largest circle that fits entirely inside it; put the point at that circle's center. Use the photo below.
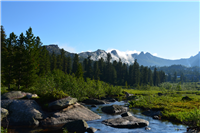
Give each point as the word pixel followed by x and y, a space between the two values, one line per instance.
pixel 145 59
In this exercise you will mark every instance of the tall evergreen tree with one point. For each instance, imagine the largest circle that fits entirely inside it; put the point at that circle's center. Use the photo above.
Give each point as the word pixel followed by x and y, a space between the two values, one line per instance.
pixel 45 65
pixel 101 68
pixel 150 77
pixel 3 42
pixel 79 71
pixel 69 65
pixel 8 62
pixel 53 61
pixel 155 77
pixel 19 61
pixel 75 63
pixel 33 48
pixel 96 70
pixel 59 62
pixel 108 69
pixel 136 73
pixel 89 72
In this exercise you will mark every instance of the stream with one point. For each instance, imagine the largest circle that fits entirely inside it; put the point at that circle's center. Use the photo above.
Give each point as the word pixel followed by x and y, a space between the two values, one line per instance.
pixel 157 126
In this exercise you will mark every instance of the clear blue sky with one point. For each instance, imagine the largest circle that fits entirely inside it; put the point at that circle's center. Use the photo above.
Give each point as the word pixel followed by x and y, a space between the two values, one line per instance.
pixel 168 29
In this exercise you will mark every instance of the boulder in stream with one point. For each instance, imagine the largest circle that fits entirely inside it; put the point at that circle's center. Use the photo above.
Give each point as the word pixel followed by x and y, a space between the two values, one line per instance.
pixel 62 103
pixel 13 95
pixel 94 101
pixel 126 122
pixel 114 109
pixel 4 113
pixel 24 112
pixel 76 126
pixel 72 112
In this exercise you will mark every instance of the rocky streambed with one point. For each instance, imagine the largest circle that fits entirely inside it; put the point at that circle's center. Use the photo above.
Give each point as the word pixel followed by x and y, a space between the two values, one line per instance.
pixel 101 116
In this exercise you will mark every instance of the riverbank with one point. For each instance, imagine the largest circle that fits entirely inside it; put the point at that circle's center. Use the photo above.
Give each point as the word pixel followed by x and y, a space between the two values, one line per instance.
pixel 177 106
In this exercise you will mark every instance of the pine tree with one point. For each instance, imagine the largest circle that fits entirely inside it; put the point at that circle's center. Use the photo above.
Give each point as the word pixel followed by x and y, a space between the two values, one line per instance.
pixel 8 62
pixel 96 70
pixel 69 65
pixel 101 64
pixel 59 62
pixel 3 41
pixel 108 69
pixel 89 68
pixel 155 77
pixel 150 78
pixel 33 49
pixel 45 65
pixel 19 61
pixel 79 71
pixel 136 73
pixel 53 61
pixel 75 63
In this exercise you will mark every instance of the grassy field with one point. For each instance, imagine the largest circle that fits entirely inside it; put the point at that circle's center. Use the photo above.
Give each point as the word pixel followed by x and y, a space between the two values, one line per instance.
pixel 177 105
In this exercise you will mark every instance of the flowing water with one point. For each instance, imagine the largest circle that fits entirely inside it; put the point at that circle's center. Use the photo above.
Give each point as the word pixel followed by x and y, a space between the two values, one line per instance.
pixel 157 126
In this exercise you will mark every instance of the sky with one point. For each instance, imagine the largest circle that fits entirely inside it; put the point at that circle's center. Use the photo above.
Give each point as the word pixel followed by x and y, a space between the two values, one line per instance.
pixel 167 29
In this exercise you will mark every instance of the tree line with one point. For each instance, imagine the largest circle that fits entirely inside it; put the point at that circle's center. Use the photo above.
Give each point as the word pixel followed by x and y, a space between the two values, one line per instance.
pixel 24 59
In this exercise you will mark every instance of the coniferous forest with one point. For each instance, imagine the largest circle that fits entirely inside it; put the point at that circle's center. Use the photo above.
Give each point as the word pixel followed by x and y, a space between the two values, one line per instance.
pixel 24 60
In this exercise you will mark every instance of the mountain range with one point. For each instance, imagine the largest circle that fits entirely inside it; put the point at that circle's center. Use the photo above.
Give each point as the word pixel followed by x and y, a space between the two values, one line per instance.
pixel 145 59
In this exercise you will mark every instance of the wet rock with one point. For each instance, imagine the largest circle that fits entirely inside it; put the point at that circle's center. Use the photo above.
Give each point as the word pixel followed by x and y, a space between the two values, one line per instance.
pixel 152 113
pixel 4 113
pixel 114 109
pixel 93 105
pixel 24 112
pixel 13 95
pixel 72 112
pixel 126 122
pixel 6 103
pixel 30 95
pixel 128 94
pixel 62 103
pixel 126 114
pixel 147 128
pixel 94 101
pixel 156 117
pixel 109 99
pixel 76 126
pixel 91 130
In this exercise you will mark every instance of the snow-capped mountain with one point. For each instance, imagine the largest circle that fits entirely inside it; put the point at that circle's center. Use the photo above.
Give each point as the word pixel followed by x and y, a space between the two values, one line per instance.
pixel 145 59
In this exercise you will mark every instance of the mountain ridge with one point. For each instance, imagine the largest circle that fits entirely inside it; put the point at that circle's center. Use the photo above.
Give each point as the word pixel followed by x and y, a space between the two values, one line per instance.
pixel 145 59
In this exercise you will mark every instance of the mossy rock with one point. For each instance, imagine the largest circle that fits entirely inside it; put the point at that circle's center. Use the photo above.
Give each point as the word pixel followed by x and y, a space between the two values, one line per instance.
pixel 186 98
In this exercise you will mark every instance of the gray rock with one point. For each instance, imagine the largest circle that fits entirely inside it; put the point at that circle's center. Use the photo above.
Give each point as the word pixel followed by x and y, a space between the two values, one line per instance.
pixel 128 94
pixel 5 103
pixel 126 122
pixel 4 113
pixel 12 95
pixel 62 103
pixel 152 113
pixel 147 128
pixel 72 112
pixel 114 109
pixel 91 130
pixel 126 114
pixel 93 105
pixel 156 117
pixel 76 126
pixel 30 95
pixel 94 101
pixel 24 112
